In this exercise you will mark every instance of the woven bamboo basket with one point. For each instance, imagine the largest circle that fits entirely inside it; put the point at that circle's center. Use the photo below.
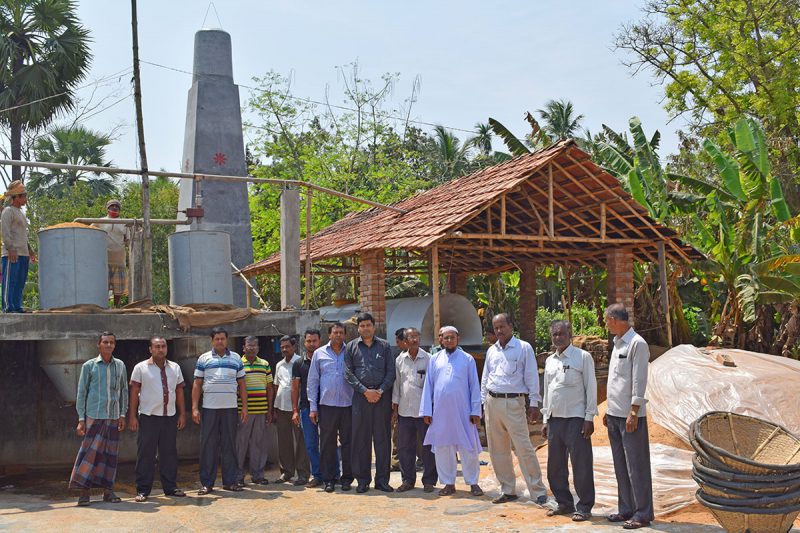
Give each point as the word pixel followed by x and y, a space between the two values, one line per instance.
pixel 740 499
pixel 778 482
pixel 751 519
pixel 734 490
pixel 746 444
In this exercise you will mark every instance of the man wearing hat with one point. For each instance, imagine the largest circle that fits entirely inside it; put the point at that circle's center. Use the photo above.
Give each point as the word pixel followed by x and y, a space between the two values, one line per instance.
pixel 117 238
pixel 16 252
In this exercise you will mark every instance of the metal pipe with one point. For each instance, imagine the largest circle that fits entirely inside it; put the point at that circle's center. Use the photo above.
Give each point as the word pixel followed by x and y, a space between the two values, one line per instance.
pixel 132 221
pixel 199 177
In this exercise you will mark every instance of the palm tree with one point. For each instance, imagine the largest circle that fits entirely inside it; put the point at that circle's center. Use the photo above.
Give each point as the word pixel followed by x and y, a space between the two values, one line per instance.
pixel 483 138
pixel 452 155
pixel 44 54
pixel 75 146
pixel 559 120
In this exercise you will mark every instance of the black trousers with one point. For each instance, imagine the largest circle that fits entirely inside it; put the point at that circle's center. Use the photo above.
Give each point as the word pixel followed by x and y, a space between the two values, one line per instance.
pixel 372 425
pixel 564 440
pixel 335 427
pixel 156 438
pixel 218 445
pixel 631 453
pixel 410 435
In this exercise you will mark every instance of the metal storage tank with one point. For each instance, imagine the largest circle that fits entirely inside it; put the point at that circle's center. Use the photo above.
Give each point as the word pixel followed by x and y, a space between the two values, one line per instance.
pixel 456 310
pixel 73 267
pixel 200 268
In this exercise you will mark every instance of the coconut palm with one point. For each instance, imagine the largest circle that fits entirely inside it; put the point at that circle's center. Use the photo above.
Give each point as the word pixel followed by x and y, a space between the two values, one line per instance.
pixel 452 155
pixel 44 54
pixel 74 146
pixel 559 120
pixel 483 138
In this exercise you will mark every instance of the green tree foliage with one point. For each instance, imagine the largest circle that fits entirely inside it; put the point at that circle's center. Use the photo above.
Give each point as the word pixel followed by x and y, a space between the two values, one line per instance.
pixel 721 60
pixel 44 54
pixel 75 146
pixel 560 120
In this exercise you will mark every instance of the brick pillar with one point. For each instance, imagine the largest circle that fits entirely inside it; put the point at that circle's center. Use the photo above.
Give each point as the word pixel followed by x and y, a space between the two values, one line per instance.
pixel 620 278
pixel 527 301
pixel 372 287
pixel 457 283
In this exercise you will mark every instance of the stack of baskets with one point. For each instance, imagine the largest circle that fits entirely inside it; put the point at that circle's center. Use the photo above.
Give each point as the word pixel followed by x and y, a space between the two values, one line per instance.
pixel 748 470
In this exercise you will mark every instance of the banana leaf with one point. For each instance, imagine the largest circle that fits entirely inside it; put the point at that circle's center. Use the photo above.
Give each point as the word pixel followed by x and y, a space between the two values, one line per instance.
pixel 773 264
pixel 728 170
pixel 637 190
pixel 700 186
pixel 620 143
pixel 777 200
pixel 514 145
pixel 618 163
pixel 780 284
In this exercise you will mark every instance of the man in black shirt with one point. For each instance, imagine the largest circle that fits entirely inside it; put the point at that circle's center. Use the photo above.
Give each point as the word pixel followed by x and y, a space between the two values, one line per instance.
pixel 301 407
pixel 369 369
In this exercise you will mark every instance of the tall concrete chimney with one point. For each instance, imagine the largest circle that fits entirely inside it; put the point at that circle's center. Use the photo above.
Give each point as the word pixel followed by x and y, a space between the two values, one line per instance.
pixel 213 144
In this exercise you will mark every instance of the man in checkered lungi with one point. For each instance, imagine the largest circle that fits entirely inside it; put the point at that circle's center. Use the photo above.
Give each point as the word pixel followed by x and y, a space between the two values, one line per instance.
pixel 118 237
pixel 102 403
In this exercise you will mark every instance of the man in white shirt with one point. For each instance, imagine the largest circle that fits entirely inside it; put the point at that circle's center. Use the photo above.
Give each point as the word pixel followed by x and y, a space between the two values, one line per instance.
pixel 157 397
pixel 410 369
pixel 292 454
pixel 117 238
pixel 568 411
pixel 626 421
pixel 16 252
pixel 510 374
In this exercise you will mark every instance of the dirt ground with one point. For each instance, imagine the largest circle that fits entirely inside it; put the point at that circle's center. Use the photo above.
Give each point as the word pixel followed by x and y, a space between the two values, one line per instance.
pixel 39 500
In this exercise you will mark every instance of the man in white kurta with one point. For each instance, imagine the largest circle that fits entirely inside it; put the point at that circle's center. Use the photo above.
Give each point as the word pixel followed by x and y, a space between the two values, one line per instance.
pixel 451 406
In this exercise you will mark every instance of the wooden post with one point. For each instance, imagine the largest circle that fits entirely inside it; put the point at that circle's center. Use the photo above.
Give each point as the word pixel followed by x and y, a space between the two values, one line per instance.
pixel 309 281
pixel 437 313
pixel 503 214
pixel 662 274
pixel 550 216
pixel 143 283
pixel 603 221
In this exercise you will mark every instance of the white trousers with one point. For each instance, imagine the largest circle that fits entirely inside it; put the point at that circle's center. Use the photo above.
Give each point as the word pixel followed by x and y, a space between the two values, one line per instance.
pixel 447 465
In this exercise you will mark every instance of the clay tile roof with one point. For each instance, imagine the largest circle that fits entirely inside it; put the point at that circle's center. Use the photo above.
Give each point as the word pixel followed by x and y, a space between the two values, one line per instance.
pixel 433 216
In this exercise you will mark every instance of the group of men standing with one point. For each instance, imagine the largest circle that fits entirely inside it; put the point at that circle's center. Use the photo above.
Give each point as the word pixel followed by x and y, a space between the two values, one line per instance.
pixel 338 402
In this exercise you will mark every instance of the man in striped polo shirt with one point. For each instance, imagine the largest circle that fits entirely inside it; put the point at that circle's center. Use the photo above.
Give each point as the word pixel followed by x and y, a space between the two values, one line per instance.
pixel 217 377
pixel 251 438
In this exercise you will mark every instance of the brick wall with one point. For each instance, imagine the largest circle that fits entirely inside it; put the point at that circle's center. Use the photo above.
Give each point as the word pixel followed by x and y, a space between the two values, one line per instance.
pixel 372 287
pixel 527 302
pixel 620 278
pixel 457 283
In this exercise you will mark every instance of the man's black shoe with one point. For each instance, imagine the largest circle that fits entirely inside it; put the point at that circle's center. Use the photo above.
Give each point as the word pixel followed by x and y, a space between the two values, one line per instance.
pixel 329 487
pixel 347 485
pixel 362 488
pixel 384 487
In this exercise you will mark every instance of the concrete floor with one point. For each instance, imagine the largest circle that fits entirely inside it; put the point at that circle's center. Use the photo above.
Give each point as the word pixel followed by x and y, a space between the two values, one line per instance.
pixel 38 501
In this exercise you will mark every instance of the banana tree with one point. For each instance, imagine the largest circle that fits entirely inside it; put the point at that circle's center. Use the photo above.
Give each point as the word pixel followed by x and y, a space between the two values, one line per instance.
pixel 741 209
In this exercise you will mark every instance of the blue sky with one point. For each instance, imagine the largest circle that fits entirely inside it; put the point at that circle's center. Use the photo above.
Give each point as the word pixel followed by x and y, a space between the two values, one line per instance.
pixel 474 60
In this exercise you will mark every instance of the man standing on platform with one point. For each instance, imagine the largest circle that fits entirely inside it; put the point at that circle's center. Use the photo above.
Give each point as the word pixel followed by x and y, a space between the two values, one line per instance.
pixel 251 436
pixel 510 375
pixel 400 342
pixel 568 411
pixel 300 405
pixel 626 421
pixel 330 398
pixel 117 238
pixel 17 253
pixel 102 403
pixel 218 376
pixel 410 369
pixel 157 397
pixel 451 406
pixel 370 371
pixel 291 444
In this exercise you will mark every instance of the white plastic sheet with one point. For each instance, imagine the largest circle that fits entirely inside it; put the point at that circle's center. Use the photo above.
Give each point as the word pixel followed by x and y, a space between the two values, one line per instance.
pixel 687 382
pixel 673 487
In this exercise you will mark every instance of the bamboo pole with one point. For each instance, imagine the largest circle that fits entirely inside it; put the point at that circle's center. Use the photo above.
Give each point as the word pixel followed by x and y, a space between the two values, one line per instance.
pixel 603 221
pixel 309 281
pixel 437 312
pixel 143 285
pixel 550 200
pixel 662 274
pixel 503 214
pixel 132 221
pixel 557 238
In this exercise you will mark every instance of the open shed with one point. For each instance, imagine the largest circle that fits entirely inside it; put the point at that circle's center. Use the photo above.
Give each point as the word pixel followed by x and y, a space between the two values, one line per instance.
pixel 553 206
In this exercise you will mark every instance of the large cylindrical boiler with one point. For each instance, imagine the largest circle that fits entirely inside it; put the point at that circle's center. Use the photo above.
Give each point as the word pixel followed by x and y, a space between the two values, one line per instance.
pixel 73 267
pixel 200 268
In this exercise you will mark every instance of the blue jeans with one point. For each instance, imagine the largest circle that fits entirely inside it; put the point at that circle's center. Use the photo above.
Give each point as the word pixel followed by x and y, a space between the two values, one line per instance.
pixel 311 436
pixel 14 276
